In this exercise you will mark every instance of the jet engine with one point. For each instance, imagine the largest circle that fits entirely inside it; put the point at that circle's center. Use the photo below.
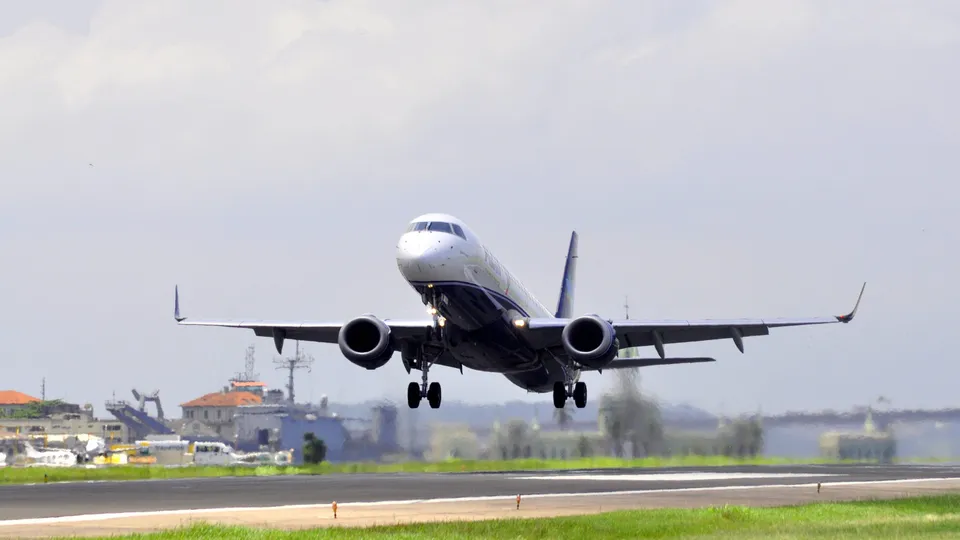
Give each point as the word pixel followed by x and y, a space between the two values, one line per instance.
pixel 590 341
pixel 366 342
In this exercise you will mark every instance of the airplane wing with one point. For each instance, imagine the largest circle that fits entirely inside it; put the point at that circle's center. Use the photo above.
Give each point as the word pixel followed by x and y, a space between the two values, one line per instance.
pixel 320 332
pixel 639 333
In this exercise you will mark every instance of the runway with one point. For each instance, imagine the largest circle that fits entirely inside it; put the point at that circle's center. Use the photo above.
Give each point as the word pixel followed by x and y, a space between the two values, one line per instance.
pixel 42 509
pixel 64 499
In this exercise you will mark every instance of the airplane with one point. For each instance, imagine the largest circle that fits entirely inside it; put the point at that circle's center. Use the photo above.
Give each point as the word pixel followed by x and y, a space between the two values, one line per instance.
pixel 484 319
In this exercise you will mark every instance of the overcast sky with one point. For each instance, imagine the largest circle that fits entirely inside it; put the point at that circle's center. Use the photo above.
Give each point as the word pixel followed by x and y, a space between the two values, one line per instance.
pixel 719 159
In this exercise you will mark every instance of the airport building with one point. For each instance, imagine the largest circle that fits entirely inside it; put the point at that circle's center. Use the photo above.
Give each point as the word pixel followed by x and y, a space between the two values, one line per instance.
pixel 870 444
pixel 12 401
pixel 54 420
pixel 281 426
pixel 385 428
pixel 218 410
pixel 518 439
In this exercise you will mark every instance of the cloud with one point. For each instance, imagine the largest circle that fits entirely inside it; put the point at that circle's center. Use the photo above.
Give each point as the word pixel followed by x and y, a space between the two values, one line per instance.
pixel 711 154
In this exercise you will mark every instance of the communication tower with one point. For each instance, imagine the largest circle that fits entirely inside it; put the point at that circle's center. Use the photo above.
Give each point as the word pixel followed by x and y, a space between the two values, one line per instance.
pixel 248 375
pixel 297 361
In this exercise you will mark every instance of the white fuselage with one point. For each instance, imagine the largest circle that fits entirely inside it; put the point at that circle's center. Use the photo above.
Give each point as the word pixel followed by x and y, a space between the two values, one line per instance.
pixel 427 256
pixel 472 290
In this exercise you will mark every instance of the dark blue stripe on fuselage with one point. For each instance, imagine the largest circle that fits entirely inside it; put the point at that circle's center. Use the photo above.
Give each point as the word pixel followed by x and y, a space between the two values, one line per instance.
pixel 469 307
pixel 505 300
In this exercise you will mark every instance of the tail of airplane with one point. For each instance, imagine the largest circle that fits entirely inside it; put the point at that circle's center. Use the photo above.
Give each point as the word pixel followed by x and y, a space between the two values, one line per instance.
pixel 565 303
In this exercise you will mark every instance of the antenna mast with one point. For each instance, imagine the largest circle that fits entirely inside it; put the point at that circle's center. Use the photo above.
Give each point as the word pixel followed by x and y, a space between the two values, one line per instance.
pixel 43 389
pixel 298 361
pixel 248 375
pixel 626 306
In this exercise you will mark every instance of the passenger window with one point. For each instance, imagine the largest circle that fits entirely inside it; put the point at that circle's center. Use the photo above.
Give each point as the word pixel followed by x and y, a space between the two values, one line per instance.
pixel 459 231
pixel 439 226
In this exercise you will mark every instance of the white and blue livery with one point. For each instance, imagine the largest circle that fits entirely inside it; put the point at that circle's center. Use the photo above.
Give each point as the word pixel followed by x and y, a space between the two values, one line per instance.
pixel 484 319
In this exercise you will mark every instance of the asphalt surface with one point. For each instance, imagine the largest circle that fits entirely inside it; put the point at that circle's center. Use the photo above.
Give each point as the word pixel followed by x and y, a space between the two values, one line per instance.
pixel 65 499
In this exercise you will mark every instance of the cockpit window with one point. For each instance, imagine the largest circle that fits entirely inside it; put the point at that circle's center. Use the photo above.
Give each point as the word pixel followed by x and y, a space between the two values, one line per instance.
pixel 439 226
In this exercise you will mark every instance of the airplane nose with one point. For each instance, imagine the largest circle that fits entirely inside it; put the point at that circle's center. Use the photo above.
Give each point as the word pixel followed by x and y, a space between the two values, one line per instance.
pixel 412 247
pixel 418 253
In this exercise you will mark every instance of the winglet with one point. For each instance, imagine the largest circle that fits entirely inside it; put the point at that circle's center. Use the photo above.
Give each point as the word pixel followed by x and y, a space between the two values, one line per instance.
pixel 849 316
pixel 176 304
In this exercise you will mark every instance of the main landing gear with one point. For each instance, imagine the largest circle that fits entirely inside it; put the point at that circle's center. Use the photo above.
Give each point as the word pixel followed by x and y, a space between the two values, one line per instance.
pixel 562 391
pixel 416 392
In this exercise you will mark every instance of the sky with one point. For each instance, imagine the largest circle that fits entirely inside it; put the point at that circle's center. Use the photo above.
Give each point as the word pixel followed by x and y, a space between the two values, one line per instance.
pixel 719 159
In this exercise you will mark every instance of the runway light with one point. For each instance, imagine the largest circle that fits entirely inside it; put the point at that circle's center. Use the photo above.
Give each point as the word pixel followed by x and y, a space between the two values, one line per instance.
pixel 518 501
pixel 334 509
pixel 818 487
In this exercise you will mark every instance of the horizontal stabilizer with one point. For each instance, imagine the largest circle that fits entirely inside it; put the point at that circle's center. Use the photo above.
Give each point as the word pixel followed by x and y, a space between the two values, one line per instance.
pixel 627 363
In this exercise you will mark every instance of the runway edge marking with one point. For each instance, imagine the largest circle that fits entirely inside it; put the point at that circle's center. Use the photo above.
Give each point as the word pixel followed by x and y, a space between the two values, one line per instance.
pixel 675 477
pixel 121 515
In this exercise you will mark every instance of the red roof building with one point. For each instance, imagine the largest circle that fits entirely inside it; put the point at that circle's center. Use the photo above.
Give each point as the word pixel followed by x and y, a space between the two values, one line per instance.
pixel 224 399
pixel 11 400
pixel 217 409
pixel 12 397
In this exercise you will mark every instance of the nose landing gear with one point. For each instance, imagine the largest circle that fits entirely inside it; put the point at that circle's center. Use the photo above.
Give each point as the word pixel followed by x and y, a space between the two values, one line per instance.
pixel 431 391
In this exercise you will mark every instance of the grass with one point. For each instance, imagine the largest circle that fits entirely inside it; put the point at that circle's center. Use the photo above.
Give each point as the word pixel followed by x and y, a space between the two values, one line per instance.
pixel 929 517
pixel 141 472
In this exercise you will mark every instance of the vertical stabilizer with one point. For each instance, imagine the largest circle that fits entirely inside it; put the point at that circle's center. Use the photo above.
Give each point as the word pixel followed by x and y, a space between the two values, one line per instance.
pixel 565 303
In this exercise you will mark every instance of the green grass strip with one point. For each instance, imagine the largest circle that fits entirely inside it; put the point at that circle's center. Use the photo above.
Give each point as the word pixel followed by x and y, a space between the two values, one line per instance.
pixel 142 472
pixel 926 517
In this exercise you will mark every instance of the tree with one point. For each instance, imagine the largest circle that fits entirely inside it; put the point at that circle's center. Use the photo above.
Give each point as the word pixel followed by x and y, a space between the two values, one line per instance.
pixel 517 437
pixel 628 416
pixel 37 409
pixel 314 449
pixel 584 447
pixel 743 438
pixel 563 416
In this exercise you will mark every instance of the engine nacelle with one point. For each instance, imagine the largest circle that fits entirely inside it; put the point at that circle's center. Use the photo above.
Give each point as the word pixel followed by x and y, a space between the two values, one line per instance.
pixel 590 341
pixel 366 342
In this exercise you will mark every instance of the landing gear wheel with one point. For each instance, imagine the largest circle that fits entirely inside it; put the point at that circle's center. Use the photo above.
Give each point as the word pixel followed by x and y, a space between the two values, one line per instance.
pixel 416 392
pixel 580 395
pixel 559 395
pixel 413 395
pixel 433 395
